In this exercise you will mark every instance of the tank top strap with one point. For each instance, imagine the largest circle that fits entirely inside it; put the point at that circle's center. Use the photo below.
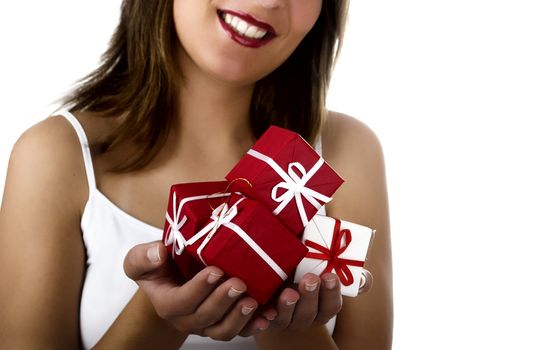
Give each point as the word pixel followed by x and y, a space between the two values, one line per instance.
pixel 318 146
pixel 86 153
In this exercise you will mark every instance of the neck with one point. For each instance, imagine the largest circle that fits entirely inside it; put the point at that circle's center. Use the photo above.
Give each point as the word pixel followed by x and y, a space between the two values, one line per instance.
pixel 212 115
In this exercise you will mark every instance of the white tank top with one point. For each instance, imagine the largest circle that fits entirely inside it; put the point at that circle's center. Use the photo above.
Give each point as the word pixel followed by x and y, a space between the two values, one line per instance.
pixel 108 234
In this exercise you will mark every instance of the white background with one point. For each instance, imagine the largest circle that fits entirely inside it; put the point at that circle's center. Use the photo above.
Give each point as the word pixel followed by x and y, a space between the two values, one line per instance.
pixel 449 87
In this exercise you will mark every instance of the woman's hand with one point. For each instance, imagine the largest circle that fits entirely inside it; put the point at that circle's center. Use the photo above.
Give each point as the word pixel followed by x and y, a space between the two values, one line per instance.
pixel 316 301
pixel 206 305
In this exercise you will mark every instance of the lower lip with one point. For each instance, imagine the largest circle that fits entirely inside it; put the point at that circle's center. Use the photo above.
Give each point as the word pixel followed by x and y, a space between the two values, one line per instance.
pixel 243 40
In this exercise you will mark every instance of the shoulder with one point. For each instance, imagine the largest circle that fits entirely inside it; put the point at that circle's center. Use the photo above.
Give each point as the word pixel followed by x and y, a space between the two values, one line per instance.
pixel 351 144
pixel 47 157
pixel 40 231
pixel 354 150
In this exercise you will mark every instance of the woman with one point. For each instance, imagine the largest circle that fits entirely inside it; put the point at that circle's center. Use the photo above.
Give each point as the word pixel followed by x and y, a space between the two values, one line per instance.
pixel 184 90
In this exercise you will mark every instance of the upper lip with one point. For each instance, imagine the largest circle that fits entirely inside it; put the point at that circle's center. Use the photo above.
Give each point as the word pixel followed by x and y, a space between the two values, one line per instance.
pixel 251 19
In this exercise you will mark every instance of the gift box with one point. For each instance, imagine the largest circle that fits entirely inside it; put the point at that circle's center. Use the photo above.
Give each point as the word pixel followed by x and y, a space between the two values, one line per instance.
pixel 189 209
pixel 335 246
pixel 287 176
pixel 245 240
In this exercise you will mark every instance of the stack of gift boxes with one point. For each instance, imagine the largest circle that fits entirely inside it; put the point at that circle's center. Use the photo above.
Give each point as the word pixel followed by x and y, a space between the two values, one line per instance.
pixel 261 224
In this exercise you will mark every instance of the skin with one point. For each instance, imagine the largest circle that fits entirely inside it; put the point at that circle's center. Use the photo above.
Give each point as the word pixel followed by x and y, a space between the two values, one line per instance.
pixel 214 101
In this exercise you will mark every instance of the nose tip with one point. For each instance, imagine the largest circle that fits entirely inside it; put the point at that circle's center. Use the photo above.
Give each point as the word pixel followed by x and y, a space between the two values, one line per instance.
pixel 271 3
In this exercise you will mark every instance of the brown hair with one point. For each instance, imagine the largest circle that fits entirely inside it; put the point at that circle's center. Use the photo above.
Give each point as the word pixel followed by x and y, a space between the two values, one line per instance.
pixel 136 80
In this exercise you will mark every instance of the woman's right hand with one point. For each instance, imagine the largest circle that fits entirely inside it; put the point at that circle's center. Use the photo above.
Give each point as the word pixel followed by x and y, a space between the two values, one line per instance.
pixel 205 305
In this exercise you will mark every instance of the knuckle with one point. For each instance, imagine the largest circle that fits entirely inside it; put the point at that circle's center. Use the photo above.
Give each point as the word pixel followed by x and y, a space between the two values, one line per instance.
pixel 323 318
pixel 163 313
pixel 128 265
pixel 204 320
pixel 166 312
pixel 183 309
pixel 332 310
pixel 302 321
pixel 280 323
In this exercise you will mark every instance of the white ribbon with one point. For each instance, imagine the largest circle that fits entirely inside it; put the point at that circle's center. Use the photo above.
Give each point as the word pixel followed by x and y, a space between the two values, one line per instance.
pixel 173 234
pixel 222 216
pixel 294 185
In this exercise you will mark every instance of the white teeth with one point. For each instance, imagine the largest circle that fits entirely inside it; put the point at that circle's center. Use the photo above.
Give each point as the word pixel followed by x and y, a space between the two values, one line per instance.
pixel 234 22
pixel 260 34
pixel 251 32
pixel 243 27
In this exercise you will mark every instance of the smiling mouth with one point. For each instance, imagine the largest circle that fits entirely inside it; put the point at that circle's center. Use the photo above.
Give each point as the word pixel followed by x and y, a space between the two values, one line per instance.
pixel 245 29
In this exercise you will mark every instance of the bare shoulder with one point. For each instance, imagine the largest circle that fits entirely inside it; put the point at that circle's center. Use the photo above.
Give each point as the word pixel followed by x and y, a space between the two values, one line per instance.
pixel 351 144
pixel 40 237
pixel 354 150
pixel 48 155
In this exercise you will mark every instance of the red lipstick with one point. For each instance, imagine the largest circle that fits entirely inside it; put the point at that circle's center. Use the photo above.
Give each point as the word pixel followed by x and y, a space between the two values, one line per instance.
pixel 242 39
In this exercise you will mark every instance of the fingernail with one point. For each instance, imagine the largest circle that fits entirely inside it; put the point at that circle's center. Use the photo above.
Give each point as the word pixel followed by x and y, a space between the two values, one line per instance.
pixel 362 281
pixel 270 317
pixel 233 293
pixel 246 310
pixel 153 253
pixel 263 328
pixel 290 302
pixel 310 287
pixel 213 277
pixel 330 284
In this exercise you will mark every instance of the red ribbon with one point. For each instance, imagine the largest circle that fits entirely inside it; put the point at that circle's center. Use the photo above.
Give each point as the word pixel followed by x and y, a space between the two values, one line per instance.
pixel 339 265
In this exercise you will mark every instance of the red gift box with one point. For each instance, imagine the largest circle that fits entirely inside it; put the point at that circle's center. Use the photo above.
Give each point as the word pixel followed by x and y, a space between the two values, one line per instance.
pixel 189 209
pixel 287 176
pixel 245 240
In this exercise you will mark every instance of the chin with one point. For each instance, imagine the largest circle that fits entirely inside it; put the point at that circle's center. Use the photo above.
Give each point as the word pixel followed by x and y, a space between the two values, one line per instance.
pixel 237 73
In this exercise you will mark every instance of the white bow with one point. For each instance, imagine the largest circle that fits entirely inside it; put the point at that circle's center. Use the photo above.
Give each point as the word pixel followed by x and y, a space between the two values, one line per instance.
pixel 294 185
pixel 220 216
pixel 173 234
pixel 223 216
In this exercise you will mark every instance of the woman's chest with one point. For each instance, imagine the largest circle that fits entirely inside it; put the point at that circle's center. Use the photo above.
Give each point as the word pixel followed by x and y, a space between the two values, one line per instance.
pixel 144 194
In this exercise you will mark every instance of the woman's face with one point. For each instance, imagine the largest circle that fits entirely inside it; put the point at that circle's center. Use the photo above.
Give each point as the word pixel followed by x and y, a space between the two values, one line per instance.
pixel 241 41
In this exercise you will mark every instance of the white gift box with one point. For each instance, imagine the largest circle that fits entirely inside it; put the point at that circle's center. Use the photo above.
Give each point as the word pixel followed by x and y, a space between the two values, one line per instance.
pixel 345 255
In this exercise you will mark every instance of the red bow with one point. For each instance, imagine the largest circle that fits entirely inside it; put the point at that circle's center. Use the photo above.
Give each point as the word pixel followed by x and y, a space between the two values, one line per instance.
pixel 339 265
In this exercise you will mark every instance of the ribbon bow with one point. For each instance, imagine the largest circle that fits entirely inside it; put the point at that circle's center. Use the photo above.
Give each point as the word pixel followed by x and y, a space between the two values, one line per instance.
pixel 332 255
pixel 221 215
pixel 173 234
pixel 295 185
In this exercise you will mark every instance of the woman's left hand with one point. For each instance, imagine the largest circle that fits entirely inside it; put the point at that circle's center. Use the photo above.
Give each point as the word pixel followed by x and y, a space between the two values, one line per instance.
pixel 316 301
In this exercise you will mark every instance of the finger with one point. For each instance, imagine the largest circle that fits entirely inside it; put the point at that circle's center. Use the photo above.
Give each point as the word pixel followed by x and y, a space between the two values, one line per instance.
pixel 256 325
pixel 171 300
pixel 307 308
pixel 234 322
pixel 330 299
pixel 268 311
pixel 285 308
pixel 217 304
pixel 143 262
pixel 366 281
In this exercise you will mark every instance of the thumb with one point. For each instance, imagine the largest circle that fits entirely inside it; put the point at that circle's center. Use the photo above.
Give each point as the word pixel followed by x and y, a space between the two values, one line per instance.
pixel 144 261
